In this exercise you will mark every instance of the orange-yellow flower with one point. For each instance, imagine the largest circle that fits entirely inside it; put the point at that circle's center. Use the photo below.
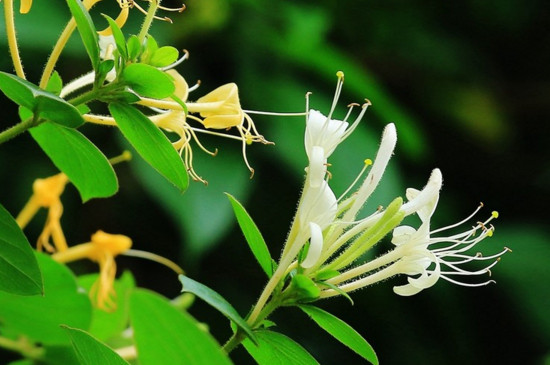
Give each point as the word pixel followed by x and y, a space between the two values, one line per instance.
pixel 46 194
pixel 102 248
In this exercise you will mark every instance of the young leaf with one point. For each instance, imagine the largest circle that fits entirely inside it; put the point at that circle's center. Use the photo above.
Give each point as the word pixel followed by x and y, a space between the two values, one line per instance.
pixel 216 301
pixel 19 271
pixel 148 81
pixel 43 104
pixel 84 164
pixel 86 29
pixel 342 332
pixel 164 56
pixel 38 317
pixel 277 349
pixel 252 235
pixel 165 335
pixel 134 47
pixel 150 143
pixel 90 351
pixel 55 84
pixel 120 41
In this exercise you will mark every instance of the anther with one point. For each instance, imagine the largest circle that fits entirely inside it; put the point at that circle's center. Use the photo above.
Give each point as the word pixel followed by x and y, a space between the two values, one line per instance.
pixel 368 162
pixel 494 213
pixel 367 103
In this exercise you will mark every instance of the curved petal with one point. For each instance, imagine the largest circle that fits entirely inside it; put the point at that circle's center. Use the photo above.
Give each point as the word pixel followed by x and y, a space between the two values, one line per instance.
pixel 315 246
pixel 406 290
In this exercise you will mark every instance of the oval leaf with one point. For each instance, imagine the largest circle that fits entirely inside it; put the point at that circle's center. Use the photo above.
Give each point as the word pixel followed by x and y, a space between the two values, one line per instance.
pixel 277 349
pixel 342 332
pixel 150 143
pixel 38 318
pixel 19 271
pixel 216 301
pixel 165 335
pixel 43 104
pixel 90 351
pixel 86 29
pixel 164 56
pixel 252 235
pixel 120 41
pixel 84 164
pixel 148 81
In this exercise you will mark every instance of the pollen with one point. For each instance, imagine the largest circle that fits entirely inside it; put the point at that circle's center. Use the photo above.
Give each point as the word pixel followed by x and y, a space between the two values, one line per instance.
pixel 494 214
pixel 368 162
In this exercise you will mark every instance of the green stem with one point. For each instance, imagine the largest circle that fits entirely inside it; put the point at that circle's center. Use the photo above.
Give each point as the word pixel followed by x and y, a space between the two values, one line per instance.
pixel 153 6
pixel 18 129
pixel 239 336
pixel 22 346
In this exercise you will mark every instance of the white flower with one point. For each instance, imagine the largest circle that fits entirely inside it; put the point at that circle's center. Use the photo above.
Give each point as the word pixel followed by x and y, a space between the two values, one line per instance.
pixel 433 257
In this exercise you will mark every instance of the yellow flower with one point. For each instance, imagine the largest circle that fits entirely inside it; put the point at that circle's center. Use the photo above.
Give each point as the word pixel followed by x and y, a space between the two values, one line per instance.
pixel 25 6
pixel 103 248
pixel 221 109
pixel 46 194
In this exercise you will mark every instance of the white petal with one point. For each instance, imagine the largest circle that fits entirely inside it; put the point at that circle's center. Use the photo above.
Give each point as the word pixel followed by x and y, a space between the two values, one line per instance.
pixel 324 132
pixel 387 145
pixel 427 199
pixel 319 205
pixel 315 246
pixel 406 290
pixel 317 167
pixel 402 234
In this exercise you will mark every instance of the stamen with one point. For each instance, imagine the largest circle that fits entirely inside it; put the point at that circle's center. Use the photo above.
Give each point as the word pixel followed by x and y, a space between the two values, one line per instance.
pixel 337 93
pixel 177 62
pixel 461 222
pixel 367 163
pixel 195 87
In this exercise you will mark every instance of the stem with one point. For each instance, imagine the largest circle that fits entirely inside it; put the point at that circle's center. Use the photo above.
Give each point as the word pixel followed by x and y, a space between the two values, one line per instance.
pixel 153 5
pixel 22 346
pixel 18 129
pixel 56 52
pixel 12 38
pixel 239 336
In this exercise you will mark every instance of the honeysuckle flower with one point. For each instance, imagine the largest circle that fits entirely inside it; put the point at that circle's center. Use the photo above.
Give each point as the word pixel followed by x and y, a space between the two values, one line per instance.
pixel 46 194
pixel 221 109
pixel 103 248
pixel 423 255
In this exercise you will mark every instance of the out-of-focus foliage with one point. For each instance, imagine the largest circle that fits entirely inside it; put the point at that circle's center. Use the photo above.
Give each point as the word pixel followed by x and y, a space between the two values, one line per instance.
pixel 466 84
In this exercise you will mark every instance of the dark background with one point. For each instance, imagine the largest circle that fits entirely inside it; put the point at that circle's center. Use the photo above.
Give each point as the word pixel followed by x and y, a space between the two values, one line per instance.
pixel 466 84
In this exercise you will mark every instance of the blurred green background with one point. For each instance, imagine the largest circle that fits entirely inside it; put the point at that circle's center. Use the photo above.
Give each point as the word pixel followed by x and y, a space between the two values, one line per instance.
pixel 468 87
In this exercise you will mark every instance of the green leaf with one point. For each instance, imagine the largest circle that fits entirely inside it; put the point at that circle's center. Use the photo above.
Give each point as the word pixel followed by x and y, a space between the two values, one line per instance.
pixel 252 235
pixel 150 143
pixel 301 289
pixel 106 325
pixel 216 301
pixel 134 47
pixel 55 84
pixel 38 317
pixel 43 104
pixel 148 81
pixel 86 29
pixel 19 271
pixel 85 165
pixel 90 351
pixel 103 69
pixel 277 349
pixel 342 332
pixel 164 335
pixel 120 41
pixel 164 56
